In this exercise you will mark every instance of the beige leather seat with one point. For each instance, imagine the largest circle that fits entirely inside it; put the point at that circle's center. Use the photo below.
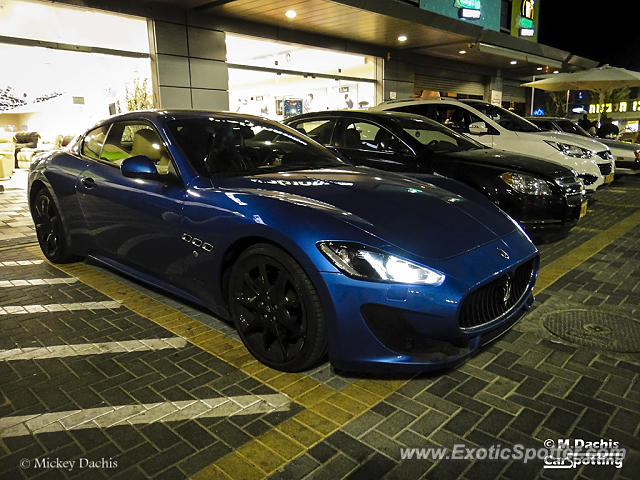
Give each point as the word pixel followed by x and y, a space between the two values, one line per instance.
pixel 146 142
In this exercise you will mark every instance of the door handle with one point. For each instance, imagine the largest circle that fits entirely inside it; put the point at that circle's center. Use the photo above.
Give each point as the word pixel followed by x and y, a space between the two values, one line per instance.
pixel 88 182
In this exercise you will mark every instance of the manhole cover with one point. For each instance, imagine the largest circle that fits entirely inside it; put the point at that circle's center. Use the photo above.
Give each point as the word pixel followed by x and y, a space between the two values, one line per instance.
pixel 595 329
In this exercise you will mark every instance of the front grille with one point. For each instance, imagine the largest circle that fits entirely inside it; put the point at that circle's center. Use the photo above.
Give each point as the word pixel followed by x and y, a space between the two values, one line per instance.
pixel 574 200
pixel 491 301
pixel 605 154
pixel 605 168
pixel 572 189
pixel 588 179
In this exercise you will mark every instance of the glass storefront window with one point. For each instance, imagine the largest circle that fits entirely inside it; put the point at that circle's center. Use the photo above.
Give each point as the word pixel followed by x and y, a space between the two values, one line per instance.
pixel 270 86
pixel 50 22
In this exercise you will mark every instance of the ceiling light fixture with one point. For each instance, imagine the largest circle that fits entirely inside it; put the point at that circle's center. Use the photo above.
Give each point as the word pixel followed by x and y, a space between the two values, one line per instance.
pixel 556 71
pixel 539 68
pixel 290 14
pixel 402 38
pixel 462 52
pixel 513 62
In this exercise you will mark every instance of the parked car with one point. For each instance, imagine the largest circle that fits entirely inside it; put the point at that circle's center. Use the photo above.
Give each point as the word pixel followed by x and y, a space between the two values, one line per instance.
pixel 544 197
pixel 626 155
pixel 497 127
pixel 303 252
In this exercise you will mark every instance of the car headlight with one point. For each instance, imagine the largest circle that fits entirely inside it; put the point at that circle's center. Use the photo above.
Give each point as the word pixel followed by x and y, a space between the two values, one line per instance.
pixel 526 184
pixel 367 263
pixel 571 150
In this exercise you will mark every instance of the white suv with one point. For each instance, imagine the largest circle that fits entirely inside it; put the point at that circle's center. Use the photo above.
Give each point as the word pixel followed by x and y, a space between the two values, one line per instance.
pixel 499 128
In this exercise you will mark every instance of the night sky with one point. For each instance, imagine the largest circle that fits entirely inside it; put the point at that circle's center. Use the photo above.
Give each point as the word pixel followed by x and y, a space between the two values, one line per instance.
pixel 608 32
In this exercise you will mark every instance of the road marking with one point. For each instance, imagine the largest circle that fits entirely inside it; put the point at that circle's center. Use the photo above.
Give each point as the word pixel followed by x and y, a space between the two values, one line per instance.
pixel 58 307
pixel 60 351
pixel 20 263
pixel 37 281
pixel 122 415
pixel 552 272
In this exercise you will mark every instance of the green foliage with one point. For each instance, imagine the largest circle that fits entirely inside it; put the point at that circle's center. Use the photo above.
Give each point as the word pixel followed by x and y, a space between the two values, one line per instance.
pixel 138 96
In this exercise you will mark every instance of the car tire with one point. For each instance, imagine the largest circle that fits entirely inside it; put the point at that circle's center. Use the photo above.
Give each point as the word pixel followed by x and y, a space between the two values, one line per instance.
pixel 50 230
pixel 276 309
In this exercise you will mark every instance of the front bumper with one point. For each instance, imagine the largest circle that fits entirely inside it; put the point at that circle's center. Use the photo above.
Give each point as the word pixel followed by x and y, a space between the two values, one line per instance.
pixel 539 214
pixel 388 327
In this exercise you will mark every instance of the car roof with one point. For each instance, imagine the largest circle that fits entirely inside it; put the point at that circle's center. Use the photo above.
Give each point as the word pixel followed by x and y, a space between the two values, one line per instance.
pixel 178 113
pixel 378 114
pixel 415 101
pixel 544 117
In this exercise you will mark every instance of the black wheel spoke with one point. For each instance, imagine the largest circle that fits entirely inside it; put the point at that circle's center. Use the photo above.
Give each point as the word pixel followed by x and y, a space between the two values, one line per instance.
pixel 285 319
pixel 250 303
pixel 251 283
pixel 264 276
pixel 277 289
pixel 281 343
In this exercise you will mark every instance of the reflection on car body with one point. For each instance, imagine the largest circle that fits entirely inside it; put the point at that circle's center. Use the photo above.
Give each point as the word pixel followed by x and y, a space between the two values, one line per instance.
pixel 306 255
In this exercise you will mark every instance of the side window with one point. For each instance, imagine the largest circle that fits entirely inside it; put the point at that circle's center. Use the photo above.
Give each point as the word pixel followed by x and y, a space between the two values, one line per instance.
pixel 368 136
pixel 456 118
pixel 320 130
pixel 93 142
pixel 130 139
pixel 425 110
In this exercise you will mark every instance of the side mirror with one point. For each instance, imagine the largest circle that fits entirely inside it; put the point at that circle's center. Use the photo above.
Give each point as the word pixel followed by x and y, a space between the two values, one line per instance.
pixel 139 166
pixel 478 128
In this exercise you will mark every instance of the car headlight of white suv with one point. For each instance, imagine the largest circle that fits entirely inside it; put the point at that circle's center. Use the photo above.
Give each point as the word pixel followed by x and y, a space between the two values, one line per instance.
pixel 570 150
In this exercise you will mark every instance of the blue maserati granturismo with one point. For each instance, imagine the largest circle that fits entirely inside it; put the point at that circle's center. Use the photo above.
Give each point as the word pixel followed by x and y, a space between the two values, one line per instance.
pixel 308 256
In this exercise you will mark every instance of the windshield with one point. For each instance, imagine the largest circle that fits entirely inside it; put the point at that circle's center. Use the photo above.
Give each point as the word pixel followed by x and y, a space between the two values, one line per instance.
pixel 505 118
pixel 435 136
pixel 570 127
pixel 246 146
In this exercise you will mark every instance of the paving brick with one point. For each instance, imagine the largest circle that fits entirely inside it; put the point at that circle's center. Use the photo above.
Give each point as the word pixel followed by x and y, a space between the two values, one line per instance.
pixel 428 422
pixel 409 470
pixel 337 467
pixel 462 422
pixel 322 452
pixel 375 467
pixel 495 421
pixel 348 445
pixel 300 467
pixel 560 421
pixel 395 423
pixel 527 421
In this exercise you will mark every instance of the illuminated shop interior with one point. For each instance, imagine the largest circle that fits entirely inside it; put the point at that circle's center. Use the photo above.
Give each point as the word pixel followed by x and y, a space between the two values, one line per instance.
pixel 277 80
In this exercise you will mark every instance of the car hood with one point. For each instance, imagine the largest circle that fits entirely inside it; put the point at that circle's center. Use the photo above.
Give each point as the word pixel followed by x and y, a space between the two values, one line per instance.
pixel 631 147
pixel 508 161
pixel 412 214
pixel 573 139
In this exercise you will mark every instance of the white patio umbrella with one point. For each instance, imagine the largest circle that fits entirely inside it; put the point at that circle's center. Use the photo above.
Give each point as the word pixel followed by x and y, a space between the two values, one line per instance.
pixel 599 80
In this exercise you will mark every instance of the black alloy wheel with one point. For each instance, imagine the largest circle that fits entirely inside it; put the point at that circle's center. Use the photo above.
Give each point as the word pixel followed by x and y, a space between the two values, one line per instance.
pixel 276 309
pixel 49 229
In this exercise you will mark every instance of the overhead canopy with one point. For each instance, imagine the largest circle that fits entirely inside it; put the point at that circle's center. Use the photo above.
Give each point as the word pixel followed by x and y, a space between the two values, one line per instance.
pixel 595 79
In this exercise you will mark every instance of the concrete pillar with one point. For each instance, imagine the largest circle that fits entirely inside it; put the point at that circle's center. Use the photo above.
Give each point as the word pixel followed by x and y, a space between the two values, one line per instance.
pixel 493 89
pixel 398 80
pixel 189 66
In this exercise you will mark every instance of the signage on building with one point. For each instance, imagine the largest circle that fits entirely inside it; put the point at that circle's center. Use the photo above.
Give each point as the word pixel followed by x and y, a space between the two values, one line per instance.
pixel 484 13
pixel 468 9
pixel 496 97
pixel 619 107
pixel 524 19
